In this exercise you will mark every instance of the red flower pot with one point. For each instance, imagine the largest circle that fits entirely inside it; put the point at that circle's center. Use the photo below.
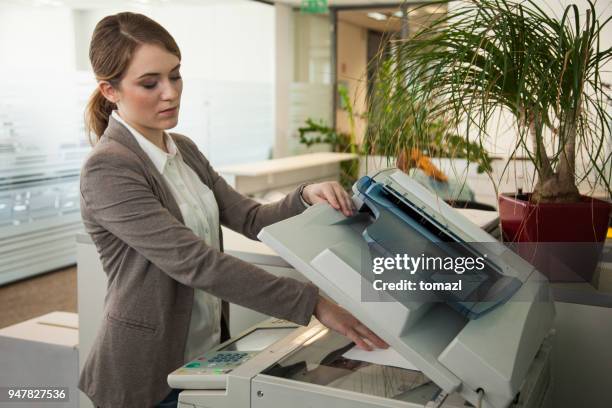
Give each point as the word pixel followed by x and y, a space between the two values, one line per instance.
pixel 563 240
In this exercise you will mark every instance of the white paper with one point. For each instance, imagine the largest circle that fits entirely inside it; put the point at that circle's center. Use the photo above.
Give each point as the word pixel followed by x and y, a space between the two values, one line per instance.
pixel 481 218
pixel 386 357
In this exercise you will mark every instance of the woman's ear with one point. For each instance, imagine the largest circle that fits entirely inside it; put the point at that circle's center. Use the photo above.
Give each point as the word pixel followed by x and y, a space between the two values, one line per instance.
pixel 107 90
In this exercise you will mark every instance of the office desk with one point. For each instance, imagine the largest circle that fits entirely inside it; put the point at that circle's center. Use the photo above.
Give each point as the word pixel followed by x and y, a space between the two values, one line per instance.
pixel 284 174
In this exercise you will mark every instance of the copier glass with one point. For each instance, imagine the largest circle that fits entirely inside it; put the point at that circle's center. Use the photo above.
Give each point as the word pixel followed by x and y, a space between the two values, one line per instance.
pixel 489 351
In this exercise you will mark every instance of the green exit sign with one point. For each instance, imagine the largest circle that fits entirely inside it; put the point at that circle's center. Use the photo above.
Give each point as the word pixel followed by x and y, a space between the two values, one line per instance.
pixel 314 6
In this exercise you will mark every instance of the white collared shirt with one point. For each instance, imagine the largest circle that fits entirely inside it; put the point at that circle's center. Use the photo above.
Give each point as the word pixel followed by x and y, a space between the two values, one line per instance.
pixel 201 214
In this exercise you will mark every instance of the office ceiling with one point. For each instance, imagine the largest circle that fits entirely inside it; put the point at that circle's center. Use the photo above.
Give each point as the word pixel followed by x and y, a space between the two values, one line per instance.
pixel 356 3
pixel 360 18
pixel 89 4
pixel 94 4
pixel 392 23
pixel 362 3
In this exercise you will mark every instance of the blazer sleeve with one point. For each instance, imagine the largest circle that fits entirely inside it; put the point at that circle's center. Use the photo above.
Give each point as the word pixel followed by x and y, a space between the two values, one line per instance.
pixel 243 214
pixel 118 197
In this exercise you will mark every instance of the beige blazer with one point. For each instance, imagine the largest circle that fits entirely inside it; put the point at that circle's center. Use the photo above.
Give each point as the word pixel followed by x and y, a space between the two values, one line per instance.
pixel 153 262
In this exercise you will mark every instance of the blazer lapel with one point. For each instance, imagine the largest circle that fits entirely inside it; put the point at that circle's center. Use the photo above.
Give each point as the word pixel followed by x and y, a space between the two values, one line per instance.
pixel 191 160
pixel 120 134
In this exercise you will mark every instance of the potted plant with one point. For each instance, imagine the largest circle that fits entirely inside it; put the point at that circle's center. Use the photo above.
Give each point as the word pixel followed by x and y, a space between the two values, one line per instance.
pixel 401 127
pixel 492 58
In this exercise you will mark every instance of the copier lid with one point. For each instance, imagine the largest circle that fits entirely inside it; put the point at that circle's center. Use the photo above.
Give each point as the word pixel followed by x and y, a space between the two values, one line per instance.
pixel 401 227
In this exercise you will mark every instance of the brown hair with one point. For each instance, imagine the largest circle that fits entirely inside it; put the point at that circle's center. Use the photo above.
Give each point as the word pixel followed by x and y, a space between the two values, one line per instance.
pixel 114 41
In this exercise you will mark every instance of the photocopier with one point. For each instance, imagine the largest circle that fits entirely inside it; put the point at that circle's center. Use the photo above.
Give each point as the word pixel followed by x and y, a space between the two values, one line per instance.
pixel 485 346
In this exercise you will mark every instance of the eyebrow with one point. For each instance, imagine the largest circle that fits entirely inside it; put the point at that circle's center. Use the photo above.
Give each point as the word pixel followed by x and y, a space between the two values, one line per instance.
pixel 157 73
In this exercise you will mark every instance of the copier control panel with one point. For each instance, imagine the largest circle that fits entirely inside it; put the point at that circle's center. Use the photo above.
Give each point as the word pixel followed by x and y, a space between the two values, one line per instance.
pixel 209 371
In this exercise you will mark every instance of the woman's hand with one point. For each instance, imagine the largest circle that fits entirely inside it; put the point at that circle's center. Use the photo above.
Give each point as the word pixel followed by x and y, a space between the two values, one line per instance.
pixel 330 192
pixel 338 319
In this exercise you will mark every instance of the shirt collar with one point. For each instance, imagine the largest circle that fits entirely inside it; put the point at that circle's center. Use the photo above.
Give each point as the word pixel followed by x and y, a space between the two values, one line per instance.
pixel 157 155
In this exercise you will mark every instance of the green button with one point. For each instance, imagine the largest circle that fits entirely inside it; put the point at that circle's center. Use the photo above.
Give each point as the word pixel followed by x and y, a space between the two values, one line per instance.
pixel 193 365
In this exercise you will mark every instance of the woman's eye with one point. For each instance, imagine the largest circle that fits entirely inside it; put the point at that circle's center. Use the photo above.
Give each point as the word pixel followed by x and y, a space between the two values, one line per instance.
pixel 176 78
pixel 149 86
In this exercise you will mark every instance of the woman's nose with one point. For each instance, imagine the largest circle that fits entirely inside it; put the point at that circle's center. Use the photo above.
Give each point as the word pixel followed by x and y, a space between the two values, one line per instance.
pixel 170 91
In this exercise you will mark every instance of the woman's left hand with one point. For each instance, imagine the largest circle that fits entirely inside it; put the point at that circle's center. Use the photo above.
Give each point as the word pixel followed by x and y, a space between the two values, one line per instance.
pixel 330 192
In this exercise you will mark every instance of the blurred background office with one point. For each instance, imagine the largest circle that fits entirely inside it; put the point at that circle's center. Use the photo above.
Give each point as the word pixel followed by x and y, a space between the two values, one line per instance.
pixel 227 109
pixel 255 73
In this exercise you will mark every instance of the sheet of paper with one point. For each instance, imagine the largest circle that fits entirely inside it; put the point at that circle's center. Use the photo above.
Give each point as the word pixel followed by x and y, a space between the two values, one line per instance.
pixel 481 218
pixel 388 357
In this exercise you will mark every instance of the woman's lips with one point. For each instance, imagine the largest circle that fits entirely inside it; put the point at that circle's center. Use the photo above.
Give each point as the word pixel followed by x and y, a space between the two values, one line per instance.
pixel 169 112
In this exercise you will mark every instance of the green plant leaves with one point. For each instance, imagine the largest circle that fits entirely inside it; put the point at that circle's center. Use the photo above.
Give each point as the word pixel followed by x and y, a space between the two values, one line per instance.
pixel 440 90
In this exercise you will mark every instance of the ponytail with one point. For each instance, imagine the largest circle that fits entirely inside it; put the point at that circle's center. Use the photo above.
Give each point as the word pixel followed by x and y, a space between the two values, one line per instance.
pixel 97 114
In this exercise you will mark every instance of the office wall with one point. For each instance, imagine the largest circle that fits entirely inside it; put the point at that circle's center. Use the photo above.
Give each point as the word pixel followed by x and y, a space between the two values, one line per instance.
pixel 41 143
pixel 232 42
pixel 311 86
pixel 311 48
pixel 303 77
pixel 228 70
pixel 34 37
pixel 351 66
pixel 283 64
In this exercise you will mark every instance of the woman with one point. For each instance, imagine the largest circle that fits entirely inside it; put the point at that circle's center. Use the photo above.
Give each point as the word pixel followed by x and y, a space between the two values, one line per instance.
pixel 153 204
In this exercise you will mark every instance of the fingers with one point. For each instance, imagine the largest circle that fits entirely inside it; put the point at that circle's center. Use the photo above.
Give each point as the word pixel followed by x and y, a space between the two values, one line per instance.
pixel 343 198
pixel 340 320
pixel 370 336
pixel 357 339
pixel 337 198
pixel 330 195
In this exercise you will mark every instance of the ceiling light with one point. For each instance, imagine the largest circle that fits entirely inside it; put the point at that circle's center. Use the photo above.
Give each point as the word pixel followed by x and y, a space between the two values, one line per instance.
pixel 377 16
pixel 54 3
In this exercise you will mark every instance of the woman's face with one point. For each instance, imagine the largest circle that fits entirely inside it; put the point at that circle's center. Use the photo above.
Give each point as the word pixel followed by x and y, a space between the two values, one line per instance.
pixel 149 95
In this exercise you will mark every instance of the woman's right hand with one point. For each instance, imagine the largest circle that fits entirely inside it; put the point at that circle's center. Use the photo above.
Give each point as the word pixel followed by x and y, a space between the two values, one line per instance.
pixel 340 320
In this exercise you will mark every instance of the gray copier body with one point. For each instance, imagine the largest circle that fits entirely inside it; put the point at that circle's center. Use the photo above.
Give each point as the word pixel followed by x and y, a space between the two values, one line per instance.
pixel 502 352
